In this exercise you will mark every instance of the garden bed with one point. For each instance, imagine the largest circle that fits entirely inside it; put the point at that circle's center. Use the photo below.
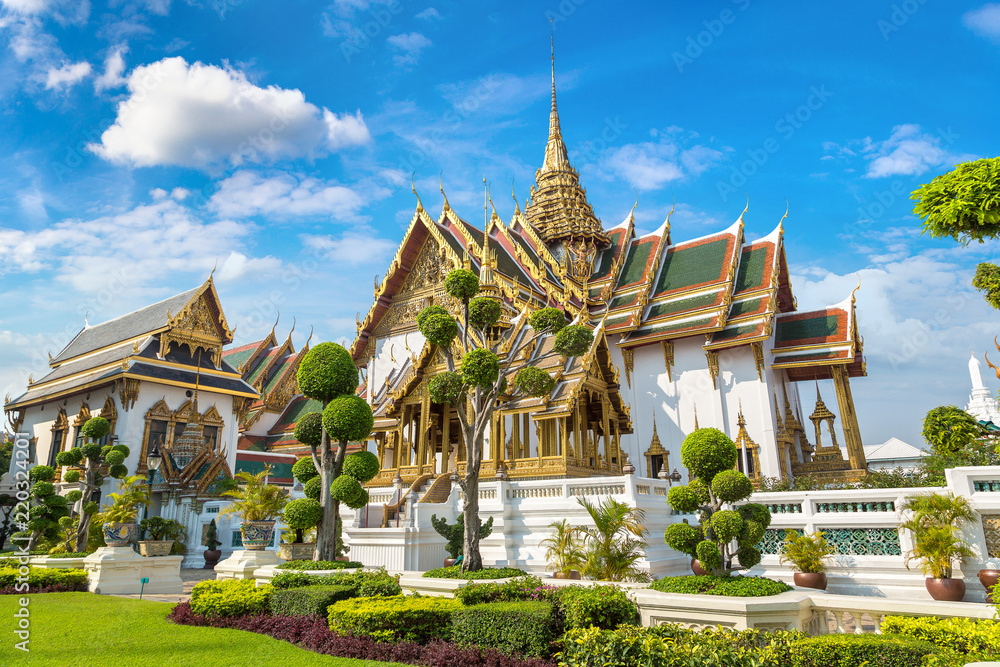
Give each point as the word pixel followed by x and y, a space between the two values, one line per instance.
pixel 741 587
pixel 455 572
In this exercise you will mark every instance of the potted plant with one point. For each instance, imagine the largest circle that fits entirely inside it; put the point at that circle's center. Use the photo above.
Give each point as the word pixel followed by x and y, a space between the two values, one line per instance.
pixel 806 553
pixel 564 553
pixel 119 527
pixel 934 522
pixel 989 577
pixel 162 535
pixel 212 551
pixel 259 505
pixel 300 516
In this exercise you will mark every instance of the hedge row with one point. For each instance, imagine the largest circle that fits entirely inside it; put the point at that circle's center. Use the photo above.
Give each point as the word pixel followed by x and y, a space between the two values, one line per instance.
pixel 308 600
pixel 42 580
pixel 319 565
pixel 742 587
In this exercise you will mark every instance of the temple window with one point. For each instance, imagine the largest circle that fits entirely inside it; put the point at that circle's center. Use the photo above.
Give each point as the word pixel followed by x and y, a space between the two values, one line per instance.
pixel 164 426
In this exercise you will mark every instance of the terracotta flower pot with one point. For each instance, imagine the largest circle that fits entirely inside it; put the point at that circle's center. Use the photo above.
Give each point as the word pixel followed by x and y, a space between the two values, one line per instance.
pixel 448 562
pixel 697 568
pixel 815 580
pixel 212 557
pixel 257 535
pixel 945 590
pixel 989 579
pixel 572 574
pixel 120 534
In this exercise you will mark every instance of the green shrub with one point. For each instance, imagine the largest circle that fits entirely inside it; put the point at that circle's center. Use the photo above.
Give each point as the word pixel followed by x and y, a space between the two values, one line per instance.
pixel 348 419
pixel 398 618
pixel 302 514
pixel 484 312
pixel 533 381
pixel 523 628
pixel 439 329
pixel 308 431
pixel 850 650
pixel 446 387
pixel 308 600
pixel 39 578
pixel 602 606
pixel 366 583
pixel 573 340
pixel 230 597
pixel 304 469
pixel 515 590
pixel 455 572
pixel 741 587
pixel 480 367
pixel 461 284
pixel 964 635
pixel 326 372
pixel 318 565
pixel 547 320
pixel 362 466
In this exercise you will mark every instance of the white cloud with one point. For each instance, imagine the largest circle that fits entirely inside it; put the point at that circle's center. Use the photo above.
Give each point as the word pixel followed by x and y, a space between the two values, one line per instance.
pixel 908 151
pixel 114 68
pixel 353 247
pixel 67 76
pixel 408 45
pixel 64 11
pixel 650 165
pixel 202 115
pixel 984 21
pixel 429 14
pixel 246 194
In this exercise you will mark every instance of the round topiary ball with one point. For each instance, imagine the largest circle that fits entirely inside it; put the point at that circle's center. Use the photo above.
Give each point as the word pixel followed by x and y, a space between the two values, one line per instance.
pixel 303 513
pixel 461 284
pixel 114 458
pixel 748 557
pixel 42 474
pixel 91 450
pixel 123 449
pixel 96 428
pixel 70 457
pixel 345 489
pixel 730 486
pixel 66 521
pixel 533 381
pixel 362 466
pixel 480 368
pixel 707 452
pixel 446 387
pixel 72 476
pixel 309 429
pixel 727 525
pixel 574 340
pixel 484 312
pixel 432 309
pixel 707 553
pixel 360 501
pixel 684 499
pixel 547 320
pixel 682 537
pixel 38 524
pixel 313 487
pixel 55 501
pixel 701 489
pixel 348 419
pixel 43 489
pixel 74 495
pixel 755 512
pixel 439 329
pixel 91 507
pixel 326 372
pixel 753 532
pixel 304 470
pixel 118 471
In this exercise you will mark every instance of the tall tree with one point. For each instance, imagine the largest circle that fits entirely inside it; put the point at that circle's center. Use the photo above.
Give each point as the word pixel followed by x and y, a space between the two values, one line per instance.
pixel 474 382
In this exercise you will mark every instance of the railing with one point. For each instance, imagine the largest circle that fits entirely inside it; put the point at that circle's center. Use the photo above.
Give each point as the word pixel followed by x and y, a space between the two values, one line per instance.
pixel 877 506
pixel 988 485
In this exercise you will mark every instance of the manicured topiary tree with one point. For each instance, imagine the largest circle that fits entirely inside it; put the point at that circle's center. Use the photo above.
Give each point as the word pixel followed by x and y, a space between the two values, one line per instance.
pixel 47 509
pixel 725 532
pixel 328 374
pixel 948 429
pixel 84 465
pixel 477 376
pixel 455 533
pixel 301 515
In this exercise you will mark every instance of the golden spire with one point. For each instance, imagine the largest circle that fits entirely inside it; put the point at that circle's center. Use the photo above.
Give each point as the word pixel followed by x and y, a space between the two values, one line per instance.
pixel 695 417
pixel 556 155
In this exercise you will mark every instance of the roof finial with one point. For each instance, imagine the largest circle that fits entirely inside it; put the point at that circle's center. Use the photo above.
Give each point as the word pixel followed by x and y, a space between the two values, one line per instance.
pixel 781 222
pixel 441 185
pixel 517 208
pixel 275 325
pixel 856 288
pixel 292 329
pixel 306 346
pixel 747 207
pixel 631 213
pixel 695 416
pixel 213 270
pixel 87 314
pixel 556 155
pixel 420 204
pixel 486 215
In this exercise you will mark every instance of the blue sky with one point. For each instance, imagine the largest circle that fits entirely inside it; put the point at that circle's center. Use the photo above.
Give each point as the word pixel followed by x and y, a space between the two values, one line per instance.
pixel 144 142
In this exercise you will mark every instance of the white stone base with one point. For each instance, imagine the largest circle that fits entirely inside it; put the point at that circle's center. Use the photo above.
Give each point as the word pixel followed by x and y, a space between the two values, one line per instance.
pixel 119 571
pixel 47 563
pixel 242 563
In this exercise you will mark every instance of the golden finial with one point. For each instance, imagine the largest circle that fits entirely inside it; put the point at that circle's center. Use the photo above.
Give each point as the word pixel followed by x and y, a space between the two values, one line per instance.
pixel 517 208
pixel 656 438
pixel 781 222
pixel 695 417
pixel 87 314
pixel 275 325
pixel 420 204
pixel 292 329
pixel 50 357
pixel 31 378
pixel 447 206
pixel 135 347
pixel 392 355
pixel 631 214
pixel 673 205
pixel 213 270
pixel 306 346
pixel 406 342
pixel 747 207
pixel 856 288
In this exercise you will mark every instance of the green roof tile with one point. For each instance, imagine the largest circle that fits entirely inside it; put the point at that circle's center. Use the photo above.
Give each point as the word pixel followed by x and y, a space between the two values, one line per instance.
pixel 744 308
pixel 235 359
pixel 753 264
pixel 279 470
pixel 635 263
pixel 622 301
pixel 694 265
pixel 821 326
pixel 735 332
pixel 297 409
pixel 682 305
pixel 665 328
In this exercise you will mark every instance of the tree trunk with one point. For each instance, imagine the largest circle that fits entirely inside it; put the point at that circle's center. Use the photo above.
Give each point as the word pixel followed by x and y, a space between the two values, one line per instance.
pixel 83 527
pixel 472 560
pixel 326 531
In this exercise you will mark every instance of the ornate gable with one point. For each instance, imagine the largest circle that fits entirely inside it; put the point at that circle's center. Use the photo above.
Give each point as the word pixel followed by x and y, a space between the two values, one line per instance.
pixel 199 325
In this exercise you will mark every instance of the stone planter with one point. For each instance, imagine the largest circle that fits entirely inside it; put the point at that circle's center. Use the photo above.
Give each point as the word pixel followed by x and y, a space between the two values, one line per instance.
pixel 572 574
pixel 815 580
pixel 945 590
pixel 153 548
pixel 120 534
pixel 257 535
pixel 297 551
pixel 697 568
pixel 212 557
pixel 989 579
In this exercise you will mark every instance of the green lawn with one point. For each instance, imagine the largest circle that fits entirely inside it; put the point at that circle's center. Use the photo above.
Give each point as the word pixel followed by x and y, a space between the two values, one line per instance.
pixel 97 630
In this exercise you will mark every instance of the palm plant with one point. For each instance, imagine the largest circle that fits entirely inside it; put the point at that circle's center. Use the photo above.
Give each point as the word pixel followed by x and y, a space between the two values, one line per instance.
pixel 934 521
pixel 564 551
pixel 255 499
pixel 616 542
pixel 125 504
pixel 806 552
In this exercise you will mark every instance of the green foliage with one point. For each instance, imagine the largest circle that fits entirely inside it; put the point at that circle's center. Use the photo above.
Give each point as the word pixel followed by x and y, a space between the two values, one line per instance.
pixel 430 310
pixel 309 431
pixel 547 320
pixel 748 556
pixel 71 476
pixel 326 372
pixel 74 495
pixel 399 618
pixel 533 381
pixel 122 448
pixel 987 281
pixel 304 469
pixel 158 528
pixel 42 474
pixel 707 553
pixel 480 368
pixel 230 597
pixel 70 457
pixel 948 429
pixel 513 628
pixel 484 312
pixel 574 340
pixel 303 513
pixel 682 537
pixel 117 471
pixel 936 520
pixel 125 504
pixel 456 572
pixel 700 489
pixel 212 536
pixel 439 329
pixel 564 550
pixel 96 428
pixel 318 564
pixel 850 650
pixel 731 486
pixel 616 543
pixel 255 499
pixel 755 512
pixel 806 552
pixel 446 387
pixel 346 489
pixel 114 458
pixel 348 419
pixel 455 532
pixel 706 452
pixel 977 640
pixel 359 501
pixel 362 466
pixel 75 579
pixel 366 583
pixel 313 488
pixel 461 284
pixel 602 606
pixel 42 489
pixel 742 587
pixel 513 590
pixel 308 600
pixel 963 204
pixel 727 524
pixel 91 450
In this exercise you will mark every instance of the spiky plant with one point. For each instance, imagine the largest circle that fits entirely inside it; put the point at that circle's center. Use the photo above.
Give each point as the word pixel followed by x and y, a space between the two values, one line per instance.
pixel 616 542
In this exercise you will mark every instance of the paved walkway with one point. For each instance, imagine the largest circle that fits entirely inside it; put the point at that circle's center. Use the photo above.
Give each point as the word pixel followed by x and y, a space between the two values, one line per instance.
pixel 189 576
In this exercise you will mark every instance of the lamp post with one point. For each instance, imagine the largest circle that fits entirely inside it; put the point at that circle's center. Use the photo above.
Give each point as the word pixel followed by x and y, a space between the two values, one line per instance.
pixel 153 461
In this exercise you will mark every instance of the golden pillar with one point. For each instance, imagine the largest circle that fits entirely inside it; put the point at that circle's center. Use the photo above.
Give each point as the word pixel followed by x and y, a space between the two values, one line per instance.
pixel 849 419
